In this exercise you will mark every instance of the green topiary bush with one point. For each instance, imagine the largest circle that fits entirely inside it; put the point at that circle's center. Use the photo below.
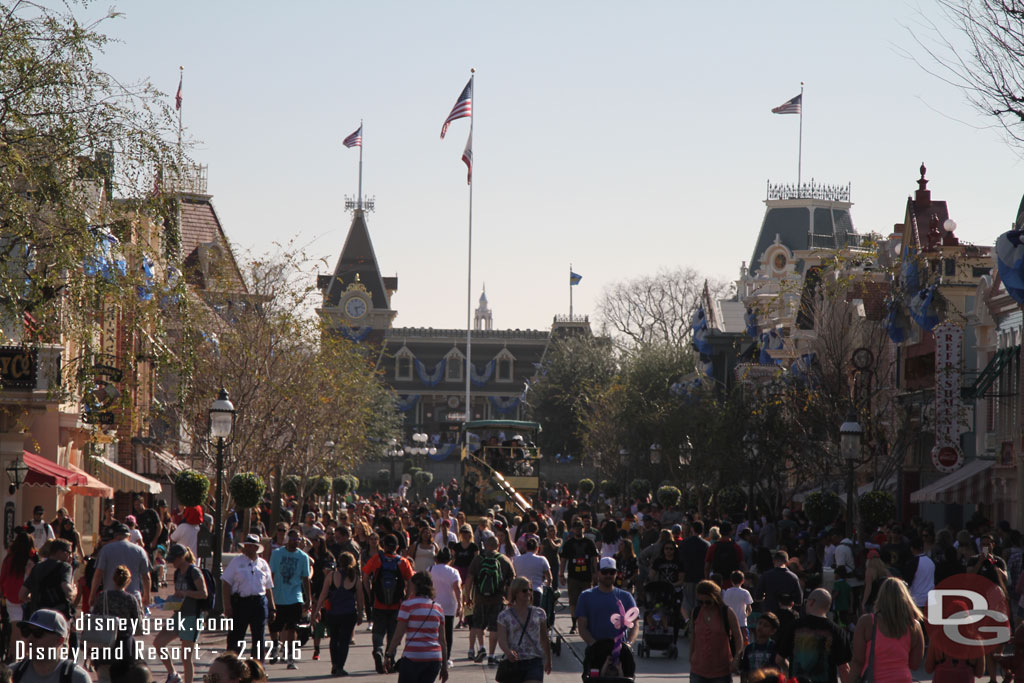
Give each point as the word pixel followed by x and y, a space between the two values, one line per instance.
pixel 192 488
pixel 877 508
pixel 730 499
pixel 340 485
pixel 383 477
pixel 822 507
pixel 669 495
pixel 319 486
pixel 290 485
pixel 638 488
pixel 423 479
pixel 611 488
pixel 586 486
pixel 353 483
pixel 246 489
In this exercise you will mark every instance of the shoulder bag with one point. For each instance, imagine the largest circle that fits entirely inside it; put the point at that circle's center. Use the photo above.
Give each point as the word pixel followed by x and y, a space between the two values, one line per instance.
pixel 99 637
pixel 509 671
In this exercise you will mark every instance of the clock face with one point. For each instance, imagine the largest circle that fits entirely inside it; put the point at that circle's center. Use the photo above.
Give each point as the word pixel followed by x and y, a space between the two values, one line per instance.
pixel 355 308
pixel 780 261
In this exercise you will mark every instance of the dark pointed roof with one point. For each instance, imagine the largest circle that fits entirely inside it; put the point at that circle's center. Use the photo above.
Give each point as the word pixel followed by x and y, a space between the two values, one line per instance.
pixel 357 258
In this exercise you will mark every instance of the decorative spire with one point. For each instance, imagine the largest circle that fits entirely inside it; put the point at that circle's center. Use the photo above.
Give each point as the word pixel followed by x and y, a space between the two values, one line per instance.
pixel 923 195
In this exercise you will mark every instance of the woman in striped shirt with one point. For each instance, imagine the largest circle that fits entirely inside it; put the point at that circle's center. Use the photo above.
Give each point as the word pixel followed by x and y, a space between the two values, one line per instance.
pixel 421 622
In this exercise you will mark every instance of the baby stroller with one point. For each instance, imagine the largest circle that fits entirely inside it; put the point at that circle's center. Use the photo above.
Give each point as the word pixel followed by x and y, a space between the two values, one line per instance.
pixel 660 620
pixel 598 653
pixel 548 600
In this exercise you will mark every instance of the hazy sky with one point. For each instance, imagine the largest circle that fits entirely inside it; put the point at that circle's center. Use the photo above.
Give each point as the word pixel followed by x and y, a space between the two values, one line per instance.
pixel 624 137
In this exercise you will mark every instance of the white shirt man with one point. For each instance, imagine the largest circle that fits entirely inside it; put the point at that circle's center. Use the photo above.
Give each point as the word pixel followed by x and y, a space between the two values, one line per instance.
pixel 844 555
pixel 532 566
pixel 41 531
pixel 924 576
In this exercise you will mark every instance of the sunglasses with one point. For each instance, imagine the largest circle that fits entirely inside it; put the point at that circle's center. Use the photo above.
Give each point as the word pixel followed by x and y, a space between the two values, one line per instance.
pixel 607 571
pixel 30 631
pixel 706 602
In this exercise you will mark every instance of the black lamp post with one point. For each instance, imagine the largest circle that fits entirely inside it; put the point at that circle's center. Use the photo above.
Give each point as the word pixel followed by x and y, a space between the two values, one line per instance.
pixel 16 472
pixel 222 419
pixel 849 445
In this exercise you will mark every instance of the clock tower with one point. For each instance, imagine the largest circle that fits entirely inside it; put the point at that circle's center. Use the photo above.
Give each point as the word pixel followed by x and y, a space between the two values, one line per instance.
pixel 356 297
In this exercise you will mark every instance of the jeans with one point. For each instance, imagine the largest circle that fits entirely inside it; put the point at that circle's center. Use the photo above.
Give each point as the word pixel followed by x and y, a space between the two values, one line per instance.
pixel 384 623
pixel 340 627
pixel 248 614
pixel 418 672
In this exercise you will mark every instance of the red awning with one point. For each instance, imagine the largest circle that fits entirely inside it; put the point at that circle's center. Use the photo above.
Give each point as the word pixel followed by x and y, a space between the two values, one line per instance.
pixel 43 472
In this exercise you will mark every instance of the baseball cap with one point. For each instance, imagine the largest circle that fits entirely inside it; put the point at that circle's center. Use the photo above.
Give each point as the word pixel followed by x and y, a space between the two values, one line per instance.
pixel 37 509
pixel 48 620
pixel 252 539
pixel 120 529
pixel 607 563
pixel 177 550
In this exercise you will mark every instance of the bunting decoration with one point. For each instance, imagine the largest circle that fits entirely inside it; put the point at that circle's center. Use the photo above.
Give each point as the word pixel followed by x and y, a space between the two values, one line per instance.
pixel 770 341
pixel 750 321
pixel 407 402
pixel 504 406
pixel 356 334
pixel 1010 262
pixel 103 261
pixel 699 325
pixel 444 452
pixel 896 323
pixel 434 378
pixel 479 379
pixel 145 290
pixel 922 309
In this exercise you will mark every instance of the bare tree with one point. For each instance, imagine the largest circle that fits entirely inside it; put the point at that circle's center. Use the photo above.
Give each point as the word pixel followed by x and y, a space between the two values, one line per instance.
pixel 655 308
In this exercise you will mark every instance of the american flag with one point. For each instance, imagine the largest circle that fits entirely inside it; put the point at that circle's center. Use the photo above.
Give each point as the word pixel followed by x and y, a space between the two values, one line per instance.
pixel 177 97
pixel 463 107
pixel 354 140
pixel 467 158
pixel 790 107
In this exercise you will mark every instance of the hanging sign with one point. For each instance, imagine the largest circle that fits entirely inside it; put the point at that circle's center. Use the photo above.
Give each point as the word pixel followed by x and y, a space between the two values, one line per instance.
pixel 946 455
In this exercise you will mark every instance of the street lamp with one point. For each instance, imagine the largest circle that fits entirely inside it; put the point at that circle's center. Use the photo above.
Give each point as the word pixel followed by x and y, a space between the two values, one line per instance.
pixel 394 453
pixel 686 452
pixel 849 445
pixel 222 419
pixel 655 453
pixel 16 472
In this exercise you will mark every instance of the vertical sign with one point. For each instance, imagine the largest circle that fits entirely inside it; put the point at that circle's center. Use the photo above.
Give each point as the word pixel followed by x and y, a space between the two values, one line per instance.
pixel 8 523
pixel 949 341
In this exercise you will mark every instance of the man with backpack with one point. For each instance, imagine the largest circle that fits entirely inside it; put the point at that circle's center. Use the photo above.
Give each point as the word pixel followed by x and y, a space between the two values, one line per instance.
pixel 291 569
pixel 724 557
pixel 490 574
pixel 47 630
pixel 389 575
pixel 51 585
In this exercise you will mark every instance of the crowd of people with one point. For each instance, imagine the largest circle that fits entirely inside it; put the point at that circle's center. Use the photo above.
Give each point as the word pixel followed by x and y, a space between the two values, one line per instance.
pixel 755 597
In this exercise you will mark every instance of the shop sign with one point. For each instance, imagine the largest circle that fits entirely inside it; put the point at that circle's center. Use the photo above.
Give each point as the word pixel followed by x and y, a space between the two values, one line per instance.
pixel 949 340
pixel 17 367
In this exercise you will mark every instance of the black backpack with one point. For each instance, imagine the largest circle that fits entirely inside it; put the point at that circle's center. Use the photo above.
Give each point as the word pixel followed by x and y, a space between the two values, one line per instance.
pixel 67 668
pixel 388 586
pixel 723 559
pixel 211 590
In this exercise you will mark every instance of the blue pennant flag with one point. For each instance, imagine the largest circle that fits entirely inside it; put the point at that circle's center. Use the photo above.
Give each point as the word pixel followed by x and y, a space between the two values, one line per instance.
pixel 574 278
pixel 922 309
pixel 1010 261
pixel 750 321
pixel 895 324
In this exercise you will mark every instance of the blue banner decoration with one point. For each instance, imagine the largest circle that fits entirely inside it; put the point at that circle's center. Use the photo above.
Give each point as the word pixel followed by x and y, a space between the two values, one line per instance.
pixel 1010 261
pixel 434 378
pixel 922 309
pixel 444 452
pixel 356 334
pixel 503 406
pixel 699 325
pixel 909 277
pixel 750 321
pixel 896 323
pixel 145 290
pixel 479 379
pixel 407 402
pixel 103 261
pixel 770 341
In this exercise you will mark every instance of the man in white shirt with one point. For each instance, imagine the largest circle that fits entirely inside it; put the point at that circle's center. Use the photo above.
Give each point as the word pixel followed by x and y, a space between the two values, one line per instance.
pixel 534 567
pixel 41 531
pixel 924 576
pixel 249 585
pixel 844 556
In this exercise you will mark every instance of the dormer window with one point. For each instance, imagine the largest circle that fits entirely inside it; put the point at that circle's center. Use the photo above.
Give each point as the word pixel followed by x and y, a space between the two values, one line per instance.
pixel 505 366
pixel 455 365
pixel 403 364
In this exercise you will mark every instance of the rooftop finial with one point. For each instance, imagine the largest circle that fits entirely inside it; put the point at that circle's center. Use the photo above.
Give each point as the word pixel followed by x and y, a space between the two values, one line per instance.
pixel 923 196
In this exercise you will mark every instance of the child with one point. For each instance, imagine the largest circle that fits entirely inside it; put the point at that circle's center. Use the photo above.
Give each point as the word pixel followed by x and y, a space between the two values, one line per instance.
pixel 760 653
pixel 160 565
pixel 739 600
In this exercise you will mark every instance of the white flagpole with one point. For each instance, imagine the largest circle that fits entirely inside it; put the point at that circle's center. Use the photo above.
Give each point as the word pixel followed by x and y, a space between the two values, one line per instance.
pixel 800 147
pixel 469 266
pixel 570 292
pixel 181 82
pixel 362 142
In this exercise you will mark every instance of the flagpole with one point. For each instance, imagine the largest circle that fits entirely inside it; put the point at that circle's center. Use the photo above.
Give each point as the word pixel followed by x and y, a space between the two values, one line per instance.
pixel 469 269
pixel 570 292
pixel 181 80
pixel 800 146
pixel 362 142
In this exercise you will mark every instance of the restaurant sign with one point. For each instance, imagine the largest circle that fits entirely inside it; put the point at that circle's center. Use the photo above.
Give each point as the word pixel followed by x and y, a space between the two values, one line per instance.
pixel 947 455
pixel 17 367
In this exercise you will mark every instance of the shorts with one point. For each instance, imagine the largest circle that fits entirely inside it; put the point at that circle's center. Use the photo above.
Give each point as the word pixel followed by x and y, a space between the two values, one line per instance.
pixel 287 617
pixel 190 631
pixel 576 587
pixel 486 616
pixel 470 620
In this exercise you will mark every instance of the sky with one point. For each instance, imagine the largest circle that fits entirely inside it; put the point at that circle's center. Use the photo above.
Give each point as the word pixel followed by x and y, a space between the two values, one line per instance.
pixel 621 137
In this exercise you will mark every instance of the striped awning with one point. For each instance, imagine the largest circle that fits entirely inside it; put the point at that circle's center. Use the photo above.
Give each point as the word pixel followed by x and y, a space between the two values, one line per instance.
pixel 123 479
pixel 92 486
pixel 44 472
pixel 969 484
pixel 166 462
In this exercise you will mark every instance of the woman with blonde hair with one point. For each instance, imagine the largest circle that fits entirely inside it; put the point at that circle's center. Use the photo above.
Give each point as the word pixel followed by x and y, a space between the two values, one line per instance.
pixel 714 534
pixel 523 634
pixel 889 641
pixel 875 572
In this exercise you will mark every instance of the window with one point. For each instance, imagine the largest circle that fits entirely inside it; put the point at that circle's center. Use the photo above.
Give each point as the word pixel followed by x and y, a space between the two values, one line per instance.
pixel 403 363
pixel 455 365
pixel 505 366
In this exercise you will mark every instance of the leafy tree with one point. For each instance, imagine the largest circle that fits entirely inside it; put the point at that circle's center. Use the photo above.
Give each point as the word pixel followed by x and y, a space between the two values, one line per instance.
pixel 576 369
pixel 669 495
pixel 291 484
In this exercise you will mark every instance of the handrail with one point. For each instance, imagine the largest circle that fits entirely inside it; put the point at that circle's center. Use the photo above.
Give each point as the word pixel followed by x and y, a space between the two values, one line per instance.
pixel 510 492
